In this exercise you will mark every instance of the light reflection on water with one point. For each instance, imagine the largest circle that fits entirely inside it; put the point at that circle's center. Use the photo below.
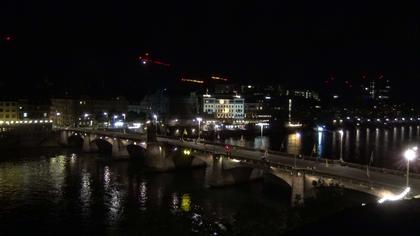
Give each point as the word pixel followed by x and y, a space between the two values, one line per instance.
pixel 143 196
pixel 84 191
pixel 386 144
pixel 88 194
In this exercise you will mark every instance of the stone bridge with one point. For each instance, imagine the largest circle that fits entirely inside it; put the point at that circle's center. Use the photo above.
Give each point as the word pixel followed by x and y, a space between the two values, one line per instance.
pixel 95 141
pixel 243 165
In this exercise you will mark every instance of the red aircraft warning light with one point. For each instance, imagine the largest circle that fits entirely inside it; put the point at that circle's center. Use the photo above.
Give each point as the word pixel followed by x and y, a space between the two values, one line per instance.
pixel 7 38
pixel 145 59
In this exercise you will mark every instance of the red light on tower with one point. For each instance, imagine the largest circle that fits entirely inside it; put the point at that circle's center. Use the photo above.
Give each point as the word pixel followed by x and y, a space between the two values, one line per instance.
pixel 7 38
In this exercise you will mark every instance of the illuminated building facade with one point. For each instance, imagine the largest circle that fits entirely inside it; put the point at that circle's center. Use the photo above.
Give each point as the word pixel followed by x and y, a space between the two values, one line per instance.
pixel 223 108
pixel 8 111
pixel 63 111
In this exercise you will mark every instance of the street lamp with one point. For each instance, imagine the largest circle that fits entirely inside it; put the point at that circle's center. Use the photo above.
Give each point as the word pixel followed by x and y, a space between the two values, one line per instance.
pixel 156 121
pixel 341 132
pixel 410 155
pixel 199 119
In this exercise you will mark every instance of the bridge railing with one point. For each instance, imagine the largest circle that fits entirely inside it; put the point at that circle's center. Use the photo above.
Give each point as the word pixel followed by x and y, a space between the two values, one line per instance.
pixel 113 134
pixel 314 159
pixel 287 168
pixel 330 161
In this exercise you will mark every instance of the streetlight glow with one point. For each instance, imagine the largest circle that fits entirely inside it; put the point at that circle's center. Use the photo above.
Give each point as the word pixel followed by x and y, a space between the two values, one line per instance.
pixel 395 197
pixel 199 119
pixel 341 132
pixel 410 154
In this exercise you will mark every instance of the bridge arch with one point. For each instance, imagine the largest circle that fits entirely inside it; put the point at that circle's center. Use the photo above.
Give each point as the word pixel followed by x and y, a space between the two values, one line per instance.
pixel 75 140
pixel 104 145
pixel 136 151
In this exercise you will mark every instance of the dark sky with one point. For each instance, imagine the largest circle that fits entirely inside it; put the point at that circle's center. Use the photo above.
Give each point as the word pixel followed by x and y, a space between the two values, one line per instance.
pixel 90 45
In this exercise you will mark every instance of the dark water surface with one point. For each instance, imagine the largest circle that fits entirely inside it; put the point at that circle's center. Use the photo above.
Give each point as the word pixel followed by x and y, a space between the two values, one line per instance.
pixel 42 193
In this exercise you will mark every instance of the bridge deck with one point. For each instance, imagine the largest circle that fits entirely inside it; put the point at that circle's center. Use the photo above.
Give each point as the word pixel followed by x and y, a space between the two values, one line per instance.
pixel 386 180
pixel 390 179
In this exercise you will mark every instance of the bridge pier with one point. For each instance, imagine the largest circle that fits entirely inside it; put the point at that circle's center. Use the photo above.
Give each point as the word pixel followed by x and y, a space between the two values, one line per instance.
pixel 222 171
pixel 156 157
pixel 88 144
pixel 64 138
pixel 299 182
pixel 119 150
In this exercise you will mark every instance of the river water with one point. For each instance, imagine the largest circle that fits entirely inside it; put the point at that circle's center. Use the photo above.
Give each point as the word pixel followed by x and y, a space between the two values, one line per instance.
pixel 358 145
pixel 48 191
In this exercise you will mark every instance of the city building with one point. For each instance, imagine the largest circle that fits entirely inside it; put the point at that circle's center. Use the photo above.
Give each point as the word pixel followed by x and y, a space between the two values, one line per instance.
pixel 63 112
pixel 87 111
pixel 34 109
pixel 307 94
pixel 377 89
pixel 8 110
pixel 157 102
pixel 384 90
pixel 223 107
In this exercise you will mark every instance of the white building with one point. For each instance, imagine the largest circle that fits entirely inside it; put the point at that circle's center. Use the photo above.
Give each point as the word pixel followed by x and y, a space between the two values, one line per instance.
pixel 223 108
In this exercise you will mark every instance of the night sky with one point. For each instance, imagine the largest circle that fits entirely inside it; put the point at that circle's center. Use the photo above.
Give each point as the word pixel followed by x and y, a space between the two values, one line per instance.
pixel 92 48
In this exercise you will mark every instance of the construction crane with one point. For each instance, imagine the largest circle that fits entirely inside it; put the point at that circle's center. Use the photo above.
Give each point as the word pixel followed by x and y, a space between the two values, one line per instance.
pixel 146 59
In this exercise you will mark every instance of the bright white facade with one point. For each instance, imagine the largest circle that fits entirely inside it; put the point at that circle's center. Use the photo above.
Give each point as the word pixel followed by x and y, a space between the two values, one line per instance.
pixel 223 108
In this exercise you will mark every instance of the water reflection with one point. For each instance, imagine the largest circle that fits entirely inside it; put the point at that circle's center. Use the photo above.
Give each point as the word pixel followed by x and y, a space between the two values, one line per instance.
pixel 394 137
pixel 87 194
pixel 418 131
pixel 320 147
pixel 410 133
pixel 376 145
pixel 346 144
pixel 334 147
pixel 186 202
pixel 356 145
pixel 143 196
pixel 107 178
pixel 294 143
pixel 386 142
pixel 175 202
pixel 402 134
pixel 114 204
